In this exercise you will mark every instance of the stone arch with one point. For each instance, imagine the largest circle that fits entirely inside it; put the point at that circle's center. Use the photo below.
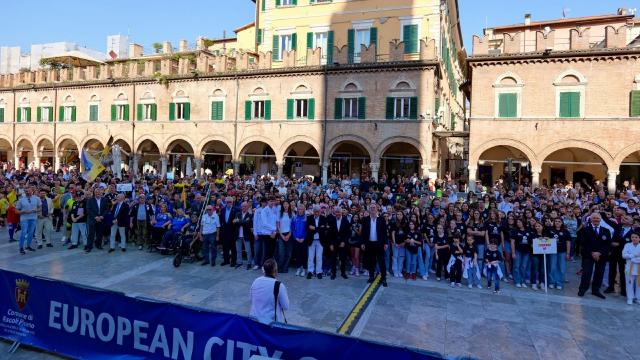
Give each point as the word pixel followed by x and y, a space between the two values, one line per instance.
pixel 45 99
pixel 40 139
pixel 68 98
pixel 284 147
pixel 399 84
pixel 147 94
pixel 200 146
pixel 259 90
pixel 219 92
pixel 122 96
pixel 624 153
pixel 143 138
pixel 579 144
pixel 474 155
pixel 383 146
pixel 63 138
pixel 7 139
pixel 351 82
pixel 94 97
pixel 571 73
pixel 89 138
pixel 256 138
pixel 333 144
pixel 507 75
pixel 301 87
pixel 180 93
pixel 25 139
pixel 175 138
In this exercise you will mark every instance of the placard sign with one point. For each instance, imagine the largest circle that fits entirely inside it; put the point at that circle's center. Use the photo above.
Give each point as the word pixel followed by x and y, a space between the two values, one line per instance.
pixel 126 187
pixel 544 245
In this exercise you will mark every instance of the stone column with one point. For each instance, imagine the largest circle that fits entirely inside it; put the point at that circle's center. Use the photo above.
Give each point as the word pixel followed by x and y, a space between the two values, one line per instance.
pixel 611 181
pixel 535 177
pixel 36 161
pixel 136 163
pixel 16 160
pixel 425 169
pixel 472 177
pixel 163 166
pixel 280 165
pixel 236 168
pixel 56 162
pixel 375 168
pixel 325 173
pixel 198 167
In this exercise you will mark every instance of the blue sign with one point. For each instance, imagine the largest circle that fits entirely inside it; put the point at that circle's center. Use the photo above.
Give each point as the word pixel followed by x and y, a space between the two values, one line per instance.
pixel 93 323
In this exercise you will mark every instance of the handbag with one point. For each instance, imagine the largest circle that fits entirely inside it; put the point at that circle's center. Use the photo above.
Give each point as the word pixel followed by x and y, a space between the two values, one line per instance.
pixel 276 292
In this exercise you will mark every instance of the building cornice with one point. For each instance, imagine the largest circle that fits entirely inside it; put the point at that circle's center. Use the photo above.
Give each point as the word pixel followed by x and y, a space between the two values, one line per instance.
pixel 555 56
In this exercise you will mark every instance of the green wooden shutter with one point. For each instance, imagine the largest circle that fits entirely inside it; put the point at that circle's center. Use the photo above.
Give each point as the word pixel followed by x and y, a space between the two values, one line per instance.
pixel 28 114
pixel 125 116
pixel 311 111
pixel 413 108
pixel 264 4
pixel 294 41
pixel 217 110
pixel 569 104
pixel 259 36
pixel 330 45
pixel 60 113
pixel 213 110
pixel 154 112
pixel 247 110
pixel 389 109
pixel 93 112
pixel 1 114
pixel 309 40
pixel 351 45
pixel 362 108
pixel 338 109
pixel 187 111
pixel 373 34
pixel 114 112
pixel 575 104
pixel 19 115
pixel 73 113
pixel 172 111
pixel 294 2
pixel 267 110
pixel 50 113
pixel 276 48
pixel 410 39
pixel 634 103
pixel 507 105
pixel 277 2
pixel 39 113
pixel 290 104
pixel 139 114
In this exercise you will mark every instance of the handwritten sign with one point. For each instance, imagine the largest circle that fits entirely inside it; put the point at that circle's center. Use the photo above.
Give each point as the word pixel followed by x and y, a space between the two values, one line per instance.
pixel 126 187
pixel 545 245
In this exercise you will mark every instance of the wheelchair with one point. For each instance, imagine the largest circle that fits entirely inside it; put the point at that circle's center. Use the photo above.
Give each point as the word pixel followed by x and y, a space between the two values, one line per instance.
pixel 186 249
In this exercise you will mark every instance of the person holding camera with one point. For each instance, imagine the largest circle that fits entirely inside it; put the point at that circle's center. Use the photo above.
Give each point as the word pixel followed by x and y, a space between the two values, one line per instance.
pixel 269 298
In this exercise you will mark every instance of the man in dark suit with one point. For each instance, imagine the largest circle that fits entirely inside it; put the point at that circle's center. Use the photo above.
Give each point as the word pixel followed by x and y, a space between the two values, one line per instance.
pixel 244 230
pixel 621 236
pixel 120 221
pixel 595 251
pixel 97 208
pixel 339 230
pixel 228 233
pixel 316 241
pixel 374 238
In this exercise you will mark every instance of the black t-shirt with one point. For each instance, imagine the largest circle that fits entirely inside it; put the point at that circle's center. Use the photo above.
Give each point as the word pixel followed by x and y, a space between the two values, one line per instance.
pixel 562 237
pixel 429 230
pixel 400 231
pixel 492 255
pixel 75 210
pixel 493 229
pixel 477 239
pixel 462 228
pixel 522 240
pixel 441 240
pixel 455 251
pixel 469 251
pixel 413 249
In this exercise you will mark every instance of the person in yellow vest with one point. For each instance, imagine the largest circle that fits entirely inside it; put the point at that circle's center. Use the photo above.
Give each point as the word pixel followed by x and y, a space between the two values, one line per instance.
pixel 4 205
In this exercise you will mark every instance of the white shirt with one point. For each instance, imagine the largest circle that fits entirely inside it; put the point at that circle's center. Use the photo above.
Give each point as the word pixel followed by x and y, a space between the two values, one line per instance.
pixel 285 223
pixel 240 228
pixel 210 223
pixel 267 220
pixel 263 302
pixel 373 233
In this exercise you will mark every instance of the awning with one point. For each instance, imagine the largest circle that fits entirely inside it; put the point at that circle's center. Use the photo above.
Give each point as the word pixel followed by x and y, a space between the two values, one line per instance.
pixel 74 58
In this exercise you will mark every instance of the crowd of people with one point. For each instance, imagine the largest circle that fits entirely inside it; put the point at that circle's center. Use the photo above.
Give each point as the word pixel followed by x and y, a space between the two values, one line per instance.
pixel 403 226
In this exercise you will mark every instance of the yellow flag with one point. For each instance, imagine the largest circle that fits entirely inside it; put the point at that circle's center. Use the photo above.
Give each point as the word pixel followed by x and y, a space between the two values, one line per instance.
pixel 12 197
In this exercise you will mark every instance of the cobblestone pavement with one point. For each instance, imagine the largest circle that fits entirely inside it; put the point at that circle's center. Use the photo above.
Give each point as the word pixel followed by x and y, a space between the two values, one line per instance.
pixel 515 324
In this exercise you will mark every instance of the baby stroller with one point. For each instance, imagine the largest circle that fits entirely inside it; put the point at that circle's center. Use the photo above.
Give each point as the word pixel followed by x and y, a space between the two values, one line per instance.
pixel 186 249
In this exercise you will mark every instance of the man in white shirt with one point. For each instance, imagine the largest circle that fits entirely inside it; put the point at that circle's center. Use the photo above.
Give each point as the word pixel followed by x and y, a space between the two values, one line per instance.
pixel 263 296
pixel 209 226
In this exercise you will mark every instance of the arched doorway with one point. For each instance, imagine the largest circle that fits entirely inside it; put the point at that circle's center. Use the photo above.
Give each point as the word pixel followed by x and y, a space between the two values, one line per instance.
pixel 630 169
pixel 257 157
pixel 350 158
pixel 149 154
pixel 46 154
pixel 179 154
pixel 93 146
pixel 301 159
pixel 25 153
pixel 68 153
pixel 125 154
pixel 401 159
pixel 504 162
pixel 5 150
pixel 571 165
pixel 217 157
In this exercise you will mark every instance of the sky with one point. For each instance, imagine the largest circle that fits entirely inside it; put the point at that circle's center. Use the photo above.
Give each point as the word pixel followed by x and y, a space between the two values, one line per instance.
pixel 147 22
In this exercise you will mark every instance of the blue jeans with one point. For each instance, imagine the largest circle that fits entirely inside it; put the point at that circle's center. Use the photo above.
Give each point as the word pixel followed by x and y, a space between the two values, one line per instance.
pixel 520 266
pixel 284 253
pixel 424 262
pixel 472 276
pixel 258 250
pixel 480 248
pixel 412 262
pixel 397 264
pixel 502 267
pixel 537 272
pixel 492 275
pixel 557 269
pixel 209 250
pixel 28 227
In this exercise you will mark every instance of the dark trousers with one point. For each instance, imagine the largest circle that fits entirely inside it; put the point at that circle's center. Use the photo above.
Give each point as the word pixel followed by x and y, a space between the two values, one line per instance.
pixel 591 267
pixel 269 247
pixel 229 248
pixel 57 219
pixel 339 253
pixel 443 260
pixel 95 234
pixel 456 272
pixel 616 265
pixel 374 253
pixel 300 253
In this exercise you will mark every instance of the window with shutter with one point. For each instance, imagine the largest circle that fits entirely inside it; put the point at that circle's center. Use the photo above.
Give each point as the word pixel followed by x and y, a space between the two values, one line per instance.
pixel 267 110
pixel 1 114
pixel 508 105
pixel 390 108
pixel 338 109
pixel 154 112
pixel 290 109
pixel 172 111
pixel 569 104
pixel 114 113
pixel 247 110
pixel 634 104
pixel 362 108
pixel 39 113
pixel 139 112
pixel 19 115
pixel 330 45
pixel 351 45
pixel 410 38
pixel 311 109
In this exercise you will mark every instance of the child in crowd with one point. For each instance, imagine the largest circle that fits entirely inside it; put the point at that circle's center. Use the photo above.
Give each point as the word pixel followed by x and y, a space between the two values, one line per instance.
pixel 13 219
pixel 4 205
pixel 631 253
pixel 492 259
pixel 412 243
pixel 455 264
pixel 471 263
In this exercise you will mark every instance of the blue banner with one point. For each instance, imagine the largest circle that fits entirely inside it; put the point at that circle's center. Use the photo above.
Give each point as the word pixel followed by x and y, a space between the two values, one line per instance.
pixel 83 322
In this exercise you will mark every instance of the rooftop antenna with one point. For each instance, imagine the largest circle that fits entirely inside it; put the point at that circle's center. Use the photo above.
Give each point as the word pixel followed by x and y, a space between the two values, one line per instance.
pixel 565 11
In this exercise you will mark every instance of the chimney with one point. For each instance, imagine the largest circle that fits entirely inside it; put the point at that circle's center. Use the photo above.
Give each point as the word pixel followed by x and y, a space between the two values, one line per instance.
pixel 527 19
pixel 135 50
pixel 200 43
pixel 184 46
pixel 166 47
pixel 622 11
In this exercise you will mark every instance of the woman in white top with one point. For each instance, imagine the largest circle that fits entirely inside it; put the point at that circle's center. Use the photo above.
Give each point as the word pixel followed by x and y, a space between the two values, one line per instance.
pixel 285 245
pixel 631 253
pixel 263 296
